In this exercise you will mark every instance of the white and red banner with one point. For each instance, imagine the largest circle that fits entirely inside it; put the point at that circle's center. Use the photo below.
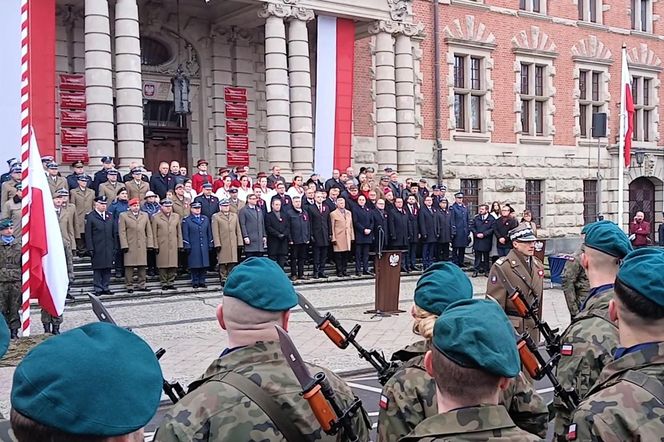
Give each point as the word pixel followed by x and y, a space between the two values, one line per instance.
pixel 335 58
pixel 626 109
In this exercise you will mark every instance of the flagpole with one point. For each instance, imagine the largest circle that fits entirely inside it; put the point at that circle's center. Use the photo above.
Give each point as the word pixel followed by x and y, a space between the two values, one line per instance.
pixel 621 145
pixel 25 155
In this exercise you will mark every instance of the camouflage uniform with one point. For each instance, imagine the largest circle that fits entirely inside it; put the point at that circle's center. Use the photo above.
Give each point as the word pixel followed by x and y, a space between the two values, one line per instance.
pixel 10 283
pixel 409 397
pixel 575 284
pixel 594 338
pixel 215 411
pixel 480 423
pixel 618 410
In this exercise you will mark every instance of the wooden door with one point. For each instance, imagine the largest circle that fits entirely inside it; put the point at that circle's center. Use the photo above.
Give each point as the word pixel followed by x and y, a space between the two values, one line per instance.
pixel 168 149
pixel 642 199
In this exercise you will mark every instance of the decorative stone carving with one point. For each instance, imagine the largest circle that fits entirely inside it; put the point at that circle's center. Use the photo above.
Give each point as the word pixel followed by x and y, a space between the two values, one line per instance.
pixel 469 30
pixel 303 14
pixel 190 63
pixel 591 48
pixel 649 165
pixel 535 40
pixel 281 10
pixel 388 26
pixel 643 55
pixel 400 9
pixel 68 15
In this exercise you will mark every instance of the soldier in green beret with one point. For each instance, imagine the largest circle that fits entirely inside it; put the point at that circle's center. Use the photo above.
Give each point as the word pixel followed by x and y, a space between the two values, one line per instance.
pixel 626 402
pixel 218 406
pixel 10 276
pixel 471 361
pixel 590 340
pixel 409 397
pixel 95 383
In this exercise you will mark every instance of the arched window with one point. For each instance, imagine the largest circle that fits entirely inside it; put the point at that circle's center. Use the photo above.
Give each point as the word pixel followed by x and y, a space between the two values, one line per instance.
pixel 154 52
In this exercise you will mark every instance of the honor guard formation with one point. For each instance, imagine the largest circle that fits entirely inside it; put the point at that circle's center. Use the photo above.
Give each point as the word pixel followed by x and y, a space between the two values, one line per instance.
pixel 468 375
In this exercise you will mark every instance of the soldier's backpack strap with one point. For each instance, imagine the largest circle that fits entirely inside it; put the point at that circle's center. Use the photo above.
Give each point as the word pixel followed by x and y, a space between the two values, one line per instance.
pixel 649 383
pixel 266 403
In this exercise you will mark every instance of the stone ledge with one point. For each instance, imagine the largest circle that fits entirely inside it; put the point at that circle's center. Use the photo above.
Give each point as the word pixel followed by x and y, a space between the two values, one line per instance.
pixel 472 137
pixel 536 140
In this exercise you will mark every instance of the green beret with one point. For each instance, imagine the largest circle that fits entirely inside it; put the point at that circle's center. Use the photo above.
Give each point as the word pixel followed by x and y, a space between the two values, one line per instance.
pixel 262 284
pixel 608 238
pixel 4 336
pixel 5 223
pixel 98 380
pixel 643 271
pixel 475 333
pixel 440 285
pixel 585 228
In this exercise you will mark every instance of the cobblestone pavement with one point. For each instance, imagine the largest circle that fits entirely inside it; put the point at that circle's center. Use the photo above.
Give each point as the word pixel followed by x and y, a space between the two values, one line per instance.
pixel 186 327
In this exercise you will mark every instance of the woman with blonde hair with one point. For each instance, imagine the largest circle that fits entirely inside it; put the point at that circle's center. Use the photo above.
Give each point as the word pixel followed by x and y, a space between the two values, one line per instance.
pixel 409 396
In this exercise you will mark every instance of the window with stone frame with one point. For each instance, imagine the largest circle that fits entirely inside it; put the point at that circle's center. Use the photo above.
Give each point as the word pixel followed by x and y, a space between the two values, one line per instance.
pixel 590 10
pixel 534 98
pixel 592 98
pixel 641 14
pixel 471 194
pixel 537 6
pixel 534 199
pixel 644 108
pixel 469 93
pixel 589 201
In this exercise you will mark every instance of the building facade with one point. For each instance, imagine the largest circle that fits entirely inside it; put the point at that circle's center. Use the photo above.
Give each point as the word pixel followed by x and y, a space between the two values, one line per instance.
pixel 517 84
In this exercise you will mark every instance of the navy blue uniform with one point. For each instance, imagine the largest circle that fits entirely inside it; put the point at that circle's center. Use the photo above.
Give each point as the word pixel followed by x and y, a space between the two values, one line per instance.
pixel 72 181
pixel 460 232
pixel 444 219
pixel 197 241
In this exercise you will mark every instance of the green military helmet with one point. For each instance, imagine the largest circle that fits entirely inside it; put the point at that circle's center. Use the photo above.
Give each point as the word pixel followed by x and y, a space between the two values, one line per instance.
pixel 475 333
pixel 607 237
pixel 262 284
pixel 95 380
pixel 643 271
pixel 440 285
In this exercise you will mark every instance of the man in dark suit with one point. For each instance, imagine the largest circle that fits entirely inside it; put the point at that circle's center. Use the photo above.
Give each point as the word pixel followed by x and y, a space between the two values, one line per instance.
pixel 381 223
pixel 482 228
pixel 163 181
pixel 209 202
pixel 334 181
pixel 331 200
pixel 319 215
pixel 300 235
pixel 286 202
pixel 252 226
pixel 428 227
pixel 460 229
pixel 398 229
pixel 100 233
pixel 412 209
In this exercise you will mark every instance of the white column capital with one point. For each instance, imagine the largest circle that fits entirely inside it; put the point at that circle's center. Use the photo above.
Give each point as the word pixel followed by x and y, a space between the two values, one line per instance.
pixel 384 26
pixel 280 10
pixel 301 14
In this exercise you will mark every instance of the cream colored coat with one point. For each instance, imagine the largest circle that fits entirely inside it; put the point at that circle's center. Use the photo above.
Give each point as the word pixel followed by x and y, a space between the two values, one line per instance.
pixel 137 190
pixel 109 190
pixel 84 202
pixel 342 230
pixel 167 237
pixel 67 229
pixel 227 235
pixel 136 235
pixel 56 184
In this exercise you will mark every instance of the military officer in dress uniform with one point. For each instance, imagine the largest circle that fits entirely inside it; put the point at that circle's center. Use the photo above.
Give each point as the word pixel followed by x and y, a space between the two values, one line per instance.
pixel 12 210
pixel 100 234
pixel 167 236
pixel 112 185
pixel 7 176
pixel 9 187
pixel 136 187
pixel 82 198
pixel 55 181
pixel 523 271
pixel 135 238
pixel 100 175
pixel 72 179
pixel 227 237
pixel 626 401
pixel 198 242
pixel 10 277
pixel 590 340
pixel 472 361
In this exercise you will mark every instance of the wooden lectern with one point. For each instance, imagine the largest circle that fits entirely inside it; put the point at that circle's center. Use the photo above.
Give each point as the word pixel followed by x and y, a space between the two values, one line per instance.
pixel 388 282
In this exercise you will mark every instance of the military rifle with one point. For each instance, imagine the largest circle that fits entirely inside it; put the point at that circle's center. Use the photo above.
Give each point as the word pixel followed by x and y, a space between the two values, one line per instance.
pixel 342 338
pixel 537 368
pixel 173 390
pixel 531 311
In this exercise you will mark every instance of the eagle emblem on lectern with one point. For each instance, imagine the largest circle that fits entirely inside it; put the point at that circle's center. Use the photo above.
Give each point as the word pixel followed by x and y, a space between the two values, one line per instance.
pixel 394 260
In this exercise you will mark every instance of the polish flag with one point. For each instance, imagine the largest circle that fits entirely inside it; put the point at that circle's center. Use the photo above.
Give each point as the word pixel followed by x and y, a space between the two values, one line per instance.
pixel 626 109
pixel 334 94
pixel 48 266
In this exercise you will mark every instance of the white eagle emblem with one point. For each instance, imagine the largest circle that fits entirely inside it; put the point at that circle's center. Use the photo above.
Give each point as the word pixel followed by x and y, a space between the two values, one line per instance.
pixel 394 260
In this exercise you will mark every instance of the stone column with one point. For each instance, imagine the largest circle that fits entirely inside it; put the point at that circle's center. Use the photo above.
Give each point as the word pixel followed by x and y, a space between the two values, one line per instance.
pixel 98 81
pixel 277 90
pixel 386 113
pixel 405 102
pixel 222 76
pixel 128 83
pixel 301 115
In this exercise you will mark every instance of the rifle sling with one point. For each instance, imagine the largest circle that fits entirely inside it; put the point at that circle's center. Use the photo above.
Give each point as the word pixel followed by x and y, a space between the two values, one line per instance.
pixel 648 383
pixel 266 403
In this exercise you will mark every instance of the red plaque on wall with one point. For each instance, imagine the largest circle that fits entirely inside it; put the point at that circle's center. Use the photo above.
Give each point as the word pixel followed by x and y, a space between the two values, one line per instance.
pixel 71 118
pixel 72 82
pixel 237 158
pixel 74 153
pixel 235 94
pixel 237 144
pixel 72 100
pixel 71 136
pixel 236 110
pixel 237 127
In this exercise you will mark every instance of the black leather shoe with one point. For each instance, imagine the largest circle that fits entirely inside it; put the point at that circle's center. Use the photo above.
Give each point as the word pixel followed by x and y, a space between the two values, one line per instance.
pixel 56 329
pixel 47 328
pixel 474 274
pixel 13 333
pixel 203 286
pixel 130 290
pixel 144 289
pixel 322 275
pixel 194 286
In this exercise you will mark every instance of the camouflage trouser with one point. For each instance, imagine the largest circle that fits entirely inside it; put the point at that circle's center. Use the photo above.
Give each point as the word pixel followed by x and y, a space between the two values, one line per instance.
pixel 10 303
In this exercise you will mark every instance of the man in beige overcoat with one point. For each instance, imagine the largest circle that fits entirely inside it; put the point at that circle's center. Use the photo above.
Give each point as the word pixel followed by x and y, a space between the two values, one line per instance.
pixel 227 237
pixel 341 225
pixel 167 236
pixel 83 199
pixel 136 239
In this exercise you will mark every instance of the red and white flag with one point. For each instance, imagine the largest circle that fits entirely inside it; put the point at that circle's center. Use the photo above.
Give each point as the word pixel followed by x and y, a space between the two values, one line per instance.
pixel 626 109
pixel 48 266
pixel 334 94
